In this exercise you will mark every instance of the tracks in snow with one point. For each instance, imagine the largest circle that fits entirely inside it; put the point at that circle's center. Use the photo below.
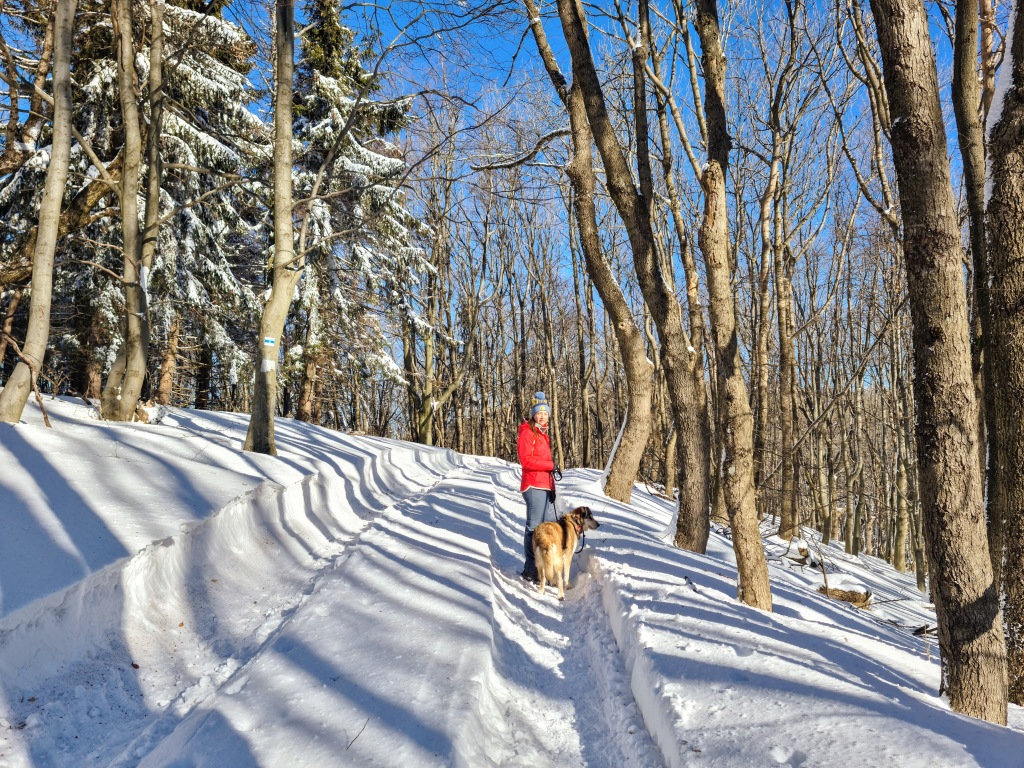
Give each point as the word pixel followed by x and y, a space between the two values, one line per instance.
pixel 562 683
pixel 386 582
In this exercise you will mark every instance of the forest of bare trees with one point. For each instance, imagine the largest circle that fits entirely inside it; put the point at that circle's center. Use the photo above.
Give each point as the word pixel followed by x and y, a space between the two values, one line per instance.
pixel 764 257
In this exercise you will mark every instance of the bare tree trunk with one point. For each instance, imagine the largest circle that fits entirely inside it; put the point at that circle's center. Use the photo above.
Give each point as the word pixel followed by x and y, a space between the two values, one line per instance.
pixel 1004 357
pixel 967 97
pixel 635 207
pixel 857 439
pixel 848 507
pixel 789 522
pixel 90 362
pixel 204 378
pixel 689 446
pixel 287 267
pixel 966 602
pixel 761 370
pixel 124 383
pixel 581 283
pixel 736 420
pixel 899 558
pixel 580 170
pixel 308 387
pixel 169 363
pixel 16 390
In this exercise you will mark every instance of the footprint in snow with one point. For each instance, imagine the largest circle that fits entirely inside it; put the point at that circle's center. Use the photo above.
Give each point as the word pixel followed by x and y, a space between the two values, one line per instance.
pixel 788 756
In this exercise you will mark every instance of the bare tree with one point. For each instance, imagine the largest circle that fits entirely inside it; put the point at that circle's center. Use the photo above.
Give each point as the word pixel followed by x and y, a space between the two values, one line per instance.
pixel 287 267
pixel 16 390
pixel 966 601
pixel 128 372
pixel 735 421
pixel 580 170
pixel 636 209
pixel 1004 355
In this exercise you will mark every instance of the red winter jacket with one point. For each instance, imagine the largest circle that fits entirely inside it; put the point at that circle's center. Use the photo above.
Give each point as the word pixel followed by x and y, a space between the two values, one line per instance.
pixel 534 449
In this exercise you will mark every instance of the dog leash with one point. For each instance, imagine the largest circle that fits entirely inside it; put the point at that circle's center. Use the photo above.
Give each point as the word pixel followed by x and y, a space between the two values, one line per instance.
pixel 582 534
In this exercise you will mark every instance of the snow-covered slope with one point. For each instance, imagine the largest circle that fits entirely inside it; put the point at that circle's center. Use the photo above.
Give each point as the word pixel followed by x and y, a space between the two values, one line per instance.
pixel 168 600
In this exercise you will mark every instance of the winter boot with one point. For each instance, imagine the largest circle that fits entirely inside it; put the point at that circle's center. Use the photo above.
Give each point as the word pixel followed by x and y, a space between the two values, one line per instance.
pixel 530 568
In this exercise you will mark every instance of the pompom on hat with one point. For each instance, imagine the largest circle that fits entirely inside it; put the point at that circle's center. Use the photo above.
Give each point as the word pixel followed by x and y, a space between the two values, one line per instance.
pixel 540 403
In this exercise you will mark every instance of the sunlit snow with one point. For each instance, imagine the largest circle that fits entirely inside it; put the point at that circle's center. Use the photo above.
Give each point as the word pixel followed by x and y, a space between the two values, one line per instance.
pixel 168 600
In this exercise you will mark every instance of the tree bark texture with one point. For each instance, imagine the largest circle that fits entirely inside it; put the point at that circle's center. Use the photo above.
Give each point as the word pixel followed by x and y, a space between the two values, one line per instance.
pixel 967 604
pixel 16 390
pixel 967 98
pixel 124 382
pixel 1004 357
pixel 637 368
pixel 690 442
pixel 789 521
pixel 169 363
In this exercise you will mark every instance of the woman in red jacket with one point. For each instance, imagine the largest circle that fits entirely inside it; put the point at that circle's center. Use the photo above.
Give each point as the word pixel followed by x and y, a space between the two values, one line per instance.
pixel 538 484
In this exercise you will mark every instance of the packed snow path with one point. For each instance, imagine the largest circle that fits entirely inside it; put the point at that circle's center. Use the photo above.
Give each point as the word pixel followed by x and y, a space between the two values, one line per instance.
pixel 390 662
pixel 355 602
pixel 377 634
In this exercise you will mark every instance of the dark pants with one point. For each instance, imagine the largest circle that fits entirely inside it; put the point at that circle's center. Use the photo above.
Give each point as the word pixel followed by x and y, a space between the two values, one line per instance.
pixel 540 506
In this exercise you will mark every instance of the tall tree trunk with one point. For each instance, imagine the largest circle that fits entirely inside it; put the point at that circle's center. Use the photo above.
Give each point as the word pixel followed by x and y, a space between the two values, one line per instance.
pixel 1005 355
pixel 580 170
pixel 967 99
pixel 16 390
pixel 736 420
pixel 204 378
pixel 966 602
pixel 690 441
pixel 789 522
pixel 583 412
pixel 308 387
pixel 124 383
pixel 899 558
pixel 89 362
pixel 287 267
pixel 635 207
pixel 848 507
pixel 761 369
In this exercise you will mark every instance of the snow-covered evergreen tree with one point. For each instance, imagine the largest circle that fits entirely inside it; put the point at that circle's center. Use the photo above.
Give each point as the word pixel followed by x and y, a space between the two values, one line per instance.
pixel 212 241
pixel 353 225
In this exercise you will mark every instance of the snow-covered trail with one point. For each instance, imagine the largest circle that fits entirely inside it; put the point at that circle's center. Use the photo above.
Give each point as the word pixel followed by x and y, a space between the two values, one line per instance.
pixel 419 646
pixel 375 616
pixel 561 684
pixel 356 602
pixel 365 671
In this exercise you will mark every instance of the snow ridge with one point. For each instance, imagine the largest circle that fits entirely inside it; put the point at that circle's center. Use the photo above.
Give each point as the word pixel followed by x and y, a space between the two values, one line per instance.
pixel 553 662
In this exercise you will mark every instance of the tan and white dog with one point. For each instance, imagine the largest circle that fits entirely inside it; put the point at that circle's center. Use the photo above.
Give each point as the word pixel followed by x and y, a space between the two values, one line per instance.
pixel 554 544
